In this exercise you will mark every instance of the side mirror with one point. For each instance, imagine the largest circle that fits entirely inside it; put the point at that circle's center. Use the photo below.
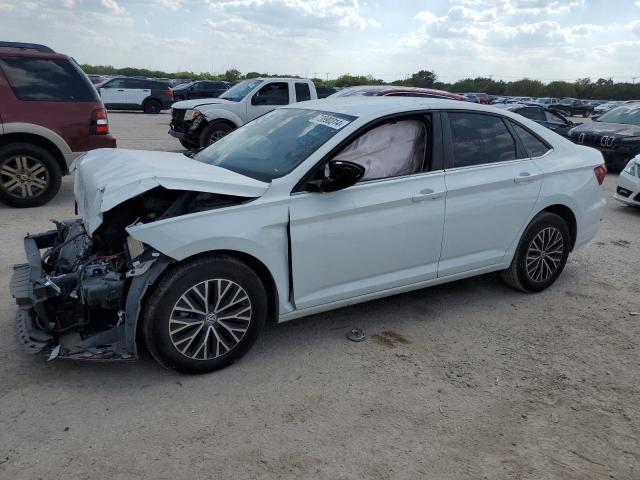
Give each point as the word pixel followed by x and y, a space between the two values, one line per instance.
pixel 342 174
pixel 256 100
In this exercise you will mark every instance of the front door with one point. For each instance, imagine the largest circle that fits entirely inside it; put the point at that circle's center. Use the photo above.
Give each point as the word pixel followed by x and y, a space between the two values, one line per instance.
pixel 492 187
pixel 271 96
pixel 381 233
pixel 113 92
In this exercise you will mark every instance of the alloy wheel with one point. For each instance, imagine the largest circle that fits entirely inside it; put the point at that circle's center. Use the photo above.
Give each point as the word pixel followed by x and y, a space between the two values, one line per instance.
pixel 216 135
pixel 545 254
pixel 210 319
pixel 23 176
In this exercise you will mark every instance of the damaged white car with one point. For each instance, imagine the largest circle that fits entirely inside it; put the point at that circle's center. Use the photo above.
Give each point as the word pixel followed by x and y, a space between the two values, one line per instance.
pixel 308 208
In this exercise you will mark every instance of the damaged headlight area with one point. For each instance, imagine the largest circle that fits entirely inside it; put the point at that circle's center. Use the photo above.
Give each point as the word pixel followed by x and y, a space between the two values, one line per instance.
pixel 74 292
pixel 79 295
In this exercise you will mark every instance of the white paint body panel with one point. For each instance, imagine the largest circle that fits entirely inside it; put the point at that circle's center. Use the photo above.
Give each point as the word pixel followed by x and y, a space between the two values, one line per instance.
pixel 631 183
pixel 369 240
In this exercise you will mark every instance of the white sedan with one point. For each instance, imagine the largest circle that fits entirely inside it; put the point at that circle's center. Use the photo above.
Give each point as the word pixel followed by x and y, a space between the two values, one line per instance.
pixel 628 189
pixel 308 208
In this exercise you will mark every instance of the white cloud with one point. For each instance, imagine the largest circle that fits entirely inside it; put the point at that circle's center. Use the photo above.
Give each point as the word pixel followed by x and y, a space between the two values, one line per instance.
pixel 113 6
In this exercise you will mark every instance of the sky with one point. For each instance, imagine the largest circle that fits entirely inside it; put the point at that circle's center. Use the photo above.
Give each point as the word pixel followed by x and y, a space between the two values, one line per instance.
pixel 505 39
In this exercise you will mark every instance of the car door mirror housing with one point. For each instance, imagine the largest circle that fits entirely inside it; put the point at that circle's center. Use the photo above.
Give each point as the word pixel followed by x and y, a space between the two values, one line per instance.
pixel 342 174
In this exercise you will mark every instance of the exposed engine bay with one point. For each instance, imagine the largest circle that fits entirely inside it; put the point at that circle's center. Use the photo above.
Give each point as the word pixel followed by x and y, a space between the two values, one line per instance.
pixel 77 295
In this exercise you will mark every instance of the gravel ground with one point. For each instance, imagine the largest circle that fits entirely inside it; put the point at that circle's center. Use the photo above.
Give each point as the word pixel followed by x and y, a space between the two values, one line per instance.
pixel 469 380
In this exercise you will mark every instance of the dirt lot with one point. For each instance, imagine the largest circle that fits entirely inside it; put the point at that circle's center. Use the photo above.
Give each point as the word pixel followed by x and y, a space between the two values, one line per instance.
pixel 470 380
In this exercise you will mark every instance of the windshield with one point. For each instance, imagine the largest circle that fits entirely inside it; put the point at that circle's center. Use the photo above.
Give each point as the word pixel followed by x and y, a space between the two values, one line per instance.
pixel 622 114
pixel 241 90
pixel 274 144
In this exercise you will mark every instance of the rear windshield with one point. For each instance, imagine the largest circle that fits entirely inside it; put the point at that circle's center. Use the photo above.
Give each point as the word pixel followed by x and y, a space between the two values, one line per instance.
pixel 47 79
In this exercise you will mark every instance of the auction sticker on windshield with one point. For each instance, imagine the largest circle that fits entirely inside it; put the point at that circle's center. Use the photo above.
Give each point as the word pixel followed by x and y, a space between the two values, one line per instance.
pixel 329 121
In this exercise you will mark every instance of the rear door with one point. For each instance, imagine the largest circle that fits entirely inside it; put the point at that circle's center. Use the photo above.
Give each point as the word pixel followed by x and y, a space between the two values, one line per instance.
pixel 270 96
pixel 492 187
pixel 136 91
pixel 385 231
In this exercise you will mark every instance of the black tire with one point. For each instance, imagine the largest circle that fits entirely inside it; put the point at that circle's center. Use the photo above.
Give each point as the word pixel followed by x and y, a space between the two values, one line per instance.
pixel 188 145
pixel 42 184
pixel 585 114
pixel 213 130
pixel 163 310
pixel 152 106
pixel 522 273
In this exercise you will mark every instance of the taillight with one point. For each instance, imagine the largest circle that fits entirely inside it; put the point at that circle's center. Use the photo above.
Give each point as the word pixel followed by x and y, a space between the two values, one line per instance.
pixel 170 93
pixel 99 122
pixel 601 173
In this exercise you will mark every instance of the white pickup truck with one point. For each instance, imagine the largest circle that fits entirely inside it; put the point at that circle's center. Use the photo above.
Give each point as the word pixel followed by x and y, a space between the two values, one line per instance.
pixel 199 123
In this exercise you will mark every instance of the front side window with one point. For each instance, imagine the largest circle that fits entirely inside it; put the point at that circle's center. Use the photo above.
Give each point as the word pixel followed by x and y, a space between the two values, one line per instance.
pixel 47 79
pixel 479 139
pixel 118 83
pixel 535 147
pixel 274 144
pixel 276 93
pixel 390 150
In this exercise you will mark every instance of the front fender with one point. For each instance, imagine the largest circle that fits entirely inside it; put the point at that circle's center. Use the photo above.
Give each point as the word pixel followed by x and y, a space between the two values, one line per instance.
pixel 257 230
pixel 220 114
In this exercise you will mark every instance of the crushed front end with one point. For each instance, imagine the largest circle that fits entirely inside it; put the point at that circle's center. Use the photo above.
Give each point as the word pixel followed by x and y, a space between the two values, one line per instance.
pixel 72 297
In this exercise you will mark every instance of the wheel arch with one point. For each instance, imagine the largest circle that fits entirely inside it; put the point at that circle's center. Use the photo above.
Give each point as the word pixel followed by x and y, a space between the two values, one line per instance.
pixel 39 140
pixel 568 216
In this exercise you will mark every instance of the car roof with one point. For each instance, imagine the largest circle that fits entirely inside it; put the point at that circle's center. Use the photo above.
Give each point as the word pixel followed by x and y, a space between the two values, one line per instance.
pixel 373 107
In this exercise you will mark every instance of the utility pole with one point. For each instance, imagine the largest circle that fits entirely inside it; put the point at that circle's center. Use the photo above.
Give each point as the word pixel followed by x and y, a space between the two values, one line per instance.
pixel 327 76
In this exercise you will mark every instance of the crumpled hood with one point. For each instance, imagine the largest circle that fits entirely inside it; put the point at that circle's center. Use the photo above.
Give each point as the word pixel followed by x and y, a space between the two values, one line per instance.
pixel 188 104
pixel 107 177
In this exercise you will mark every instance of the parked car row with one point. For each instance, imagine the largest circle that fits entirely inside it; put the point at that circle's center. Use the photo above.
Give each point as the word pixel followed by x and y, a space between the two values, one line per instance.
pixel 199 123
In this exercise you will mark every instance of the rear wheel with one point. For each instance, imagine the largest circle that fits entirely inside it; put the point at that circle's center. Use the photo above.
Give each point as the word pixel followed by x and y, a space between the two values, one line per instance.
pixel 585 114
pixel 541 254
pixel 205 315
pixel 152 106
pixel 214 132
pixel 29 175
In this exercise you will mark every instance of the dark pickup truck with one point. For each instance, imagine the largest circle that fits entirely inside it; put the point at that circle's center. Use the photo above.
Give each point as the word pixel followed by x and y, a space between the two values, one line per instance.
pixel 572 107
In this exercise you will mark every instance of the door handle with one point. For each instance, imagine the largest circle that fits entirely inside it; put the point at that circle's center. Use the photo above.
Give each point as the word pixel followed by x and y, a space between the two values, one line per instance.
pixel 526 177
pixel 426 195
pixel 121 89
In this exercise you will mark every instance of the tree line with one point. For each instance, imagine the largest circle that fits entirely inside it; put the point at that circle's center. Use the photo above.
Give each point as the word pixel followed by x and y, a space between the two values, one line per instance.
pixel 600 89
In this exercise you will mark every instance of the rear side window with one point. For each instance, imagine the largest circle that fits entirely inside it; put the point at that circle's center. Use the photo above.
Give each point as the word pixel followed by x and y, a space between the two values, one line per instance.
pixel 302 92
pixel 47 79
pixel 535 147
pixel 532 112
pixel 479 139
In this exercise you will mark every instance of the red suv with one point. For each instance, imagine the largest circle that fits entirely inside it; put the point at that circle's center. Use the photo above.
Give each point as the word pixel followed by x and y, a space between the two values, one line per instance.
pixel 49 113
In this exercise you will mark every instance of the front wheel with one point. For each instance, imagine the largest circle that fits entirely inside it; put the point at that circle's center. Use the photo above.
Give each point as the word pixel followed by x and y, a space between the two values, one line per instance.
pixel 585 114
pixel 541 254
pixel 214 132
pixel 29 175
pixel 204 315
